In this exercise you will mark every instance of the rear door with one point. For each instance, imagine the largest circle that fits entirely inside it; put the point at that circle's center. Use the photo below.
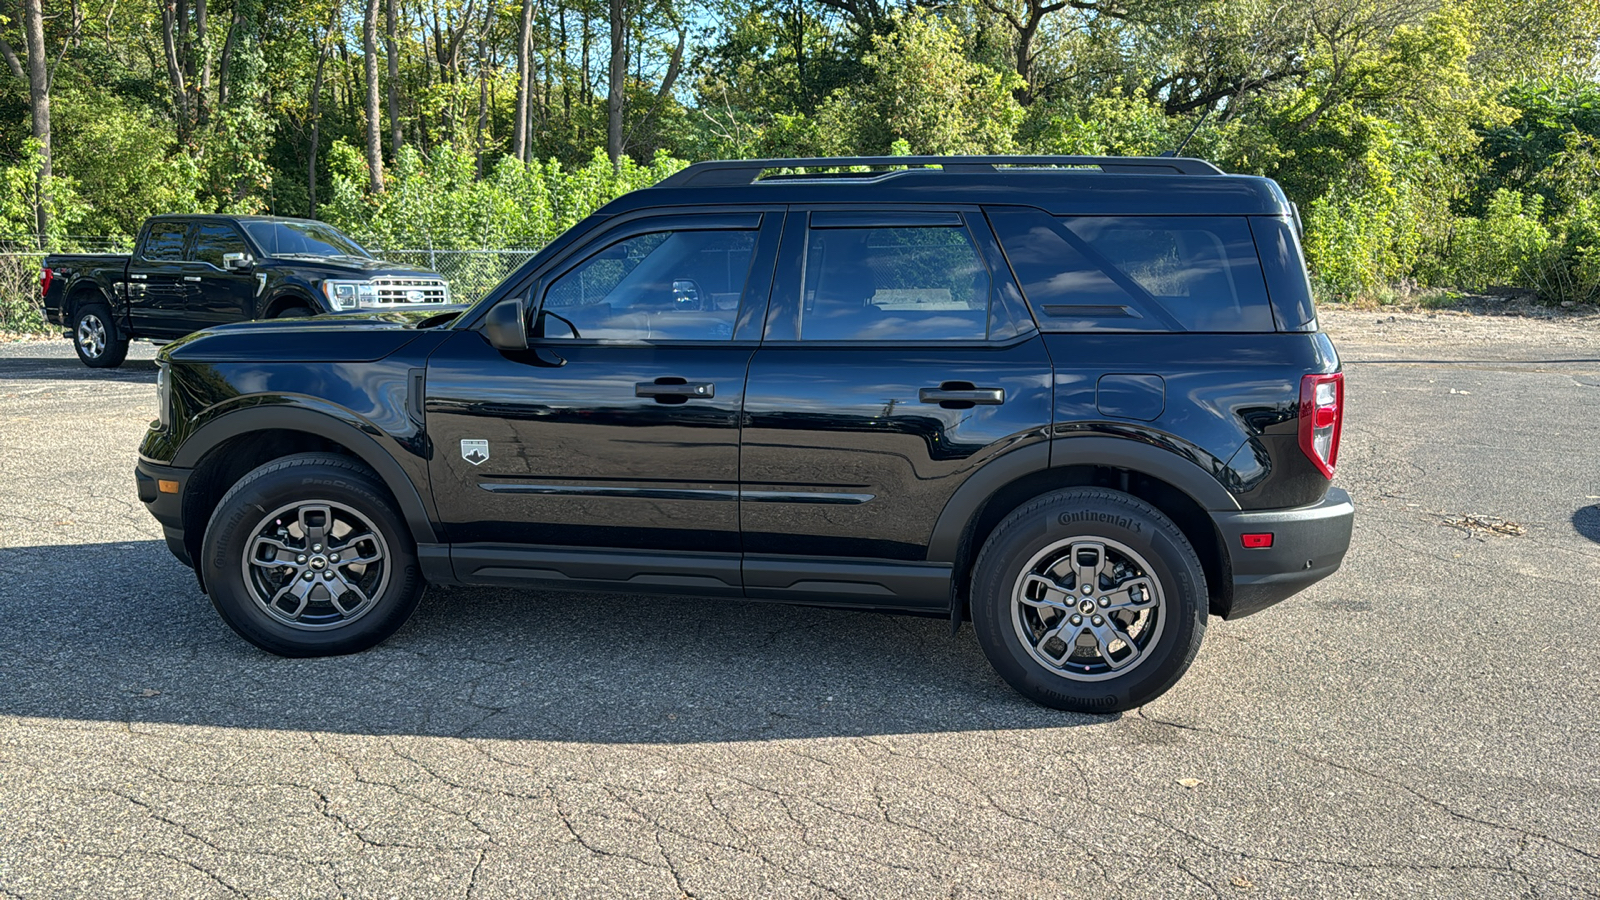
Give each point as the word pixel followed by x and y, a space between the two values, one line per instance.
pixel 897 360
pixel 214 295
pixel 157 293
pixel 608 452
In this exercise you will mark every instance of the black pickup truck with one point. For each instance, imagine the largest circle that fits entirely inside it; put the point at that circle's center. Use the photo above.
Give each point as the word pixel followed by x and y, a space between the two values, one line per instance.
pixel 193 271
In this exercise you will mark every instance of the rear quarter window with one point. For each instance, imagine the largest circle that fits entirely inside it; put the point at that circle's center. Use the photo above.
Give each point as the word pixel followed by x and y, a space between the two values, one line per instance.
pixel 1136 273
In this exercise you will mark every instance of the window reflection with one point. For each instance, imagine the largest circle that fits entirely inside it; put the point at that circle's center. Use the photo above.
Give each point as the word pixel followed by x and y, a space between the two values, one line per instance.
pixel 908 283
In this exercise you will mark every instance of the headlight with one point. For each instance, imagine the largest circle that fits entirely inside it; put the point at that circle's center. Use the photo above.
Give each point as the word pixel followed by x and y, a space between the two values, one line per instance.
pixel 164 395
pixel 350 294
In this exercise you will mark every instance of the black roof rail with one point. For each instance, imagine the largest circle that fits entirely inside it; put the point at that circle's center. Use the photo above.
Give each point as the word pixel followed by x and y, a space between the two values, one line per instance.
pixel 726 173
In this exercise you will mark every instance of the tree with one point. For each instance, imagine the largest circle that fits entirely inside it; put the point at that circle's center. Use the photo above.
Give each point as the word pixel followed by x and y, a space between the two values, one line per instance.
pixel 369 50
pixel 39 103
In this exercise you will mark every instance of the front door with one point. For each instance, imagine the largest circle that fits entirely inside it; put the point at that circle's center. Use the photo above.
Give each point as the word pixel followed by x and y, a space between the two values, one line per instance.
pixel 215 295
pixel 607 454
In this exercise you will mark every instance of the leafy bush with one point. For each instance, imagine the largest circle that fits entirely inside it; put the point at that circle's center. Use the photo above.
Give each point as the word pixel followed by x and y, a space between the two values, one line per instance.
pixel 1505 247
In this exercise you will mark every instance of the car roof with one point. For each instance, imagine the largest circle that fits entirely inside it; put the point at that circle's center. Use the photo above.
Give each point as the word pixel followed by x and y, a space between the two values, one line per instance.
pixel 1061 185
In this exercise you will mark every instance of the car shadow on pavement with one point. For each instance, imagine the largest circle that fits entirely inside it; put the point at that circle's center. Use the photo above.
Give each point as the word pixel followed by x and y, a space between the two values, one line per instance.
pixel 120 632
pixel 68 368
pixel 1586 522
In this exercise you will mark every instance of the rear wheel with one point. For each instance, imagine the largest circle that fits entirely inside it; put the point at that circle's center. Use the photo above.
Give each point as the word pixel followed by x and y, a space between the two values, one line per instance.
pixel 1089 600
pixel 96 338
pixel 306 556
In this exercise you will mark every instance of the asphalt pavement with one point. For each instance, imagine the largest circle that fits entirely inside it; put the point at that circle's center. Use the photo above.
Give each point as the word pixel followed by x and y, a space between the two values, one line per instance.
pixel 1426 723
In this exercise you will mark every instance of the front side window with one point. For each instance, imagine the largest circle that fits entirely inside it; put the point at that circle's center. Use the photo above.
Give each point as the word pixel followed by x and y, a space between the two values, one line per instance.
pixel 211 242
pixel 302 238
pixel 659 286
pixel 165 241
pixel 911 283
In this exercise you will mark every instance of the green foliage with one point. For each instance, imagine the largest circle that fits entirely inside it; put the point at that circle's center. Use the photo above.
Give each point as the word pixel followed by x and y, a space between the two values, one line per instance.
pixel 126 164
pixel 921 88
pixel 1509 245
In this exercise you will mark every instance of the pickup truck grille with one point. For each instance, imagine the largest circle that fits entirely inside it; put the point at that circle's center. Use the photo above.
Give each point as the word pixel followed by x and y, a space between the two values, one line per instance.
pixel 408 291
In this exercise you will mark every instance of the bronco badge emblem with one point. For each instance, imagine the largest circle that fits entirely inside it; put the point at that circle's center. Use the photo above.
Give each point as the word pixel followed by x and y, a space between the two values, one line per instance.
pixel 475 452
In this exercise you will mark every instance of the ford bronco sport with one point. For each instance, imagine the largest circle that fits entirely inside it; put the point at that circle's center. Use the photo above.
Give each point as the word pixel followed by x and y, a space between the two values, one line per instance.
pixel 1082 402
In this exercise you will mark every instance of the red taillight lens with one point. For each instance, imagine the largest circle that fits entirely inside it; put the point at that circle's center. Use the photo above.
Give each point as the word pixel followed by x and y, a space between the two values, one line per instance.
pixel 1321 418
pixel 45 277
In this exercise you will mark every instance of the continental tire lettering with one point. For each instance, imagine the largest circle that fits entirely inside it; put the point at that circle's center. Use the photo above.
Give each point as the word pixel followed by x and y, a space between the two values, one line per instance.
pixel 1123 522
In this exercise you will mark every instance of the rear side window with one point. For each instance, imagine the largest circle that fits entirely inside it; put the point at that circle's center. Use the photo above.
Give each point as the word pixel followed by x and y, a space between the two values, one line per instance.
pixel 1136 273
pixel 165 241
pixel 912 283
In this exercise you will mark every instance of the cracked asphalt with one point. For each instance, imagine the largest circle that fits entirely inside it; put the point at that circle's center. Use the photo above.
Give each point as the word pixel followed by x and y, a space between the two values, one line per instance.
pixel 1423 724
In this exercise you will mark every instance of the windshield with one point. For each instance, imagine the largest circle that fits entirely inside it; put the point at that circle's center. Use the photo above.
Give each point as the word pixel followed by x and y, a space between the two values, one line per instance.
pixel 302 238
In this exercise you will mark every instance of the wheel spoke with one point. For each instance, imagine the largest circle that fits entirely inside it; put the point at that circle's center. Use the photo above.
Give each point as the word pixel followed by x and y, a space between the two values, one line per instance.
pixel 1088 561
pixel 340 587
pixel 1056 633
pixel 315 522
pixel 350 552
pixel 1050 595
pixel 1104 635
pixel 282 553
pixel 299 589
pixel 1133 594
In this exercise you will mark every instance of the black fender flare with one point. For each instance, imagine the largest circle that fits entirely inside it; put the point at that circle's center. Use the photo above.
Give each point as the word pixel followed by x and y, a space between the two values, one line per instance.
pixel 74 292
pixel 351 433
pixel 945 544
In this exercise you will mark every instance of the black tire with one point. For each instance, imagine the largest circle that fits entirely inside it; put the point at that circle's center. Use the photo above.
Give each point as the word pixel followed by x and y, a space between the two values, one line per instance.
pixel 293 312
pixel 1026 589
pixel 100 344
pixel 259 517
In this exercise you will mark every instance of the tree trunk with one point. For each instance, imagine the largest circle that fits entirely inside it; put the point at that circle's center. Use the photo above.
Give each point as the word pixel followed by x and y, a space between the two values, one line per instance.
pixel 180 93
pixel 369 50
pixel 202 49
pixel 519 115
pixel 39 103
pixel 316 121
pixel 226 62
pixel 396 136
pixel 619 72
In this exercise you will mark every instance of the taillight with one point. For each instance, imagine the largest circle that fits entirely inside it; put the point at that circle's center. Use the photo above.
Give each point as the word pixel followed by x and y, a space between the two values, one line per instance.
pixel 1321 418
pixel 45 277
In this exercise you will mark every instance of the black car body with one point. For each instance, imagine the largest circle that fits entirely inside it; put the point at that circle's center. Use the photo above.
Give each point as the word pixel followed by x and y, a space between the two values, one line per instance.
pixel 860 390
pixel 189 272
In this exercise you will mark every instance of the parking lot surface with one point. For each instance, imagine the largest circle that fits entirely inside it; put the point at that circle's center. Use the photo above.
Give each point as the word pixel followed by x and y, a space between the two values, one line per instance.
pixel 1426 723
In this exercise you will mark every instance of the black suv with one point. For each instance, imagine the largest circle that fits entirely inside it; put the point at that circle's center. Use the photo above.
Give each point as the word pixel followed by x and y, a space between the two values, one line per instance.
pixel 1082 401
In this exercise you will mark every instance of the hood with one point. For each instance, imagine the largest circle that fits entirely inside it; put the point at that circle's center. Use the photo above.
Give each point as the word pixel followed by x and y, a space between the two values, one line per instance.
pixel 364 336
pixel 348 266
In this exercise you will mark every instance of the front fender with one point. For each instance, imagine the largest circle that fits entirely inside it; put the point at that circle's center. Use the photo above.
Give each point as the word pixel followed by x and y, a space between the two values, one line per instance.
pixel 327 421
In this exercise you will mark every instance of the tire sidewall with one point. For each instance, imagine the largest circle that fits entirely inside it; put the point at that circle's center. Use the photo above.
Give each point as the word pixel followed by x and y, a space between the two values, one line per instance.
pixel 231 530
pixel 1096 514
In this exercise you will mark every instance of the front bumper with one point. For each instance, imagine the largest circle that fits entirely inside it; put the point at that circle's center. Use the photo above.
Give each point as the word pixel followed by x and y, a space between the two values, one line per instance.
pixel 1308 545
pixel 161 490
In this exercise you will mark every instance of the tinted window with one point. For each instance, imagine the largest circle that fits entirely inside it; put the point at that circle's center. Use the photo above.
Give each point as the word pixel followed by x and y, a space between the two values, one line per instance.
pixel 1131 273
pixel 900 283
pixel 302 239
pixel 665 285
pixel 212 241
pixel 165 240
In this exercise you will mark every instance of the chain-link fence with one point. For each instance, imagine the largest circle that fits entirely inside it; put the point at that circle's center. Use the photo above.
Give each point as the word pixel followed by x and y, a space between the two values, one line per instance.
pixel 471 273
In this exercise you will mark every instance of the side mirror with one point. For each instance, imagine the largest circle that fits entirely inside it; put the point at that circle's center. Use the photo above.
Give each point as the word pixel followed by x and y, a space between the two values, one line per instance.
pixel 237 262
pixel 504 325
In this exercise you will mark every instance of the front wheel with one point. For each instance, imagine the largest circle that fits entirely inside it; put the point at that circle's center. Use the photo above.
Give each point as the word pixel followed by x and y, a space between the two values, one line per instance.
pixel 306 556
pixel 1089 600
pixel 96 338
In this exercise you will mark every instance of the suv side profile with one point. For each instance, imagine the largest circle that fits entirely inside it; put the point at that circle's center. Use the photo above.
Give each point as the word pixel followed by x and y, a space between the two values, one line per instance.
pixel 1080 401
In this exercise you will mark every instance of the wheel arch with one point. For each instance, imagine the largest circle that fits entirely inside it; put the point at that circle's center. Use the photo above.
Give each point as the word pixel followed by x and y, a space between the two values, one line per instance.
pixel 86 290
pixel 1177 487
pixel 230 446
pixel 287 298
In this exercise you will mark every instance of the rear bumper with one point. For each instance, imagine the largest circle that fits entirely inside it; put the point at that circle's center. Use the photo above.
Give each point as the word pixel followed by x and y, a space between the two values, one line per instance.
pixel 165 505
pixel 1308 545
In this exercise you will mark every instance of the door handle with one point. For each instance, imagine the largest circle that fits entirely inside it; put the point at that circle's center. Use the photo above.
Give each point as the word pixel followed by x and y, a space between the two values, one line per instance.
pixel 962 395
pixel 191 278
pixel 674 390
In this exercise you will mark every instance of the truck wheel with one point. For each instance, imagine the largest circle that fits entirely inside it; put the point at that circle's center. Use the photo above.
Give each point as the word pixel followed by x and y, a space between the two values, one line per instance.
pixel 306 556
pixel 95 337
pixel 1089 600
